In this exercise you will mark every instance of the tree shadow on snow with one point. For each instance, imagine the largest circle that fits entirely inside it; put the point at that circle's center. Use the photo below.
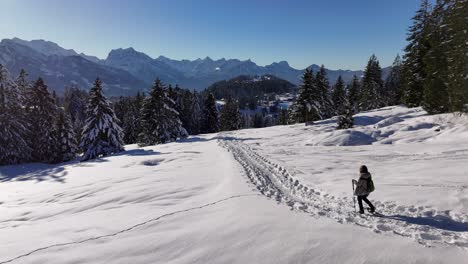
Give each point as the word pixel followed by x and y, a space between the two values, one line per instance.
pixel 367 120
pixel 34 172
pixel 193 139
pixel 136 152
pixel 439 222
pixel 41 172
pixel 239 139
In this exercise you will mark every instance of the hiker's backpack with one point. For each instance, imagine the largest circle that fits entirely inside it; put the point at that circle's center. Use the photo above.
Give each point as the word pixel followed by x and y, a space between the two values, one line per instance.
pixel 370 185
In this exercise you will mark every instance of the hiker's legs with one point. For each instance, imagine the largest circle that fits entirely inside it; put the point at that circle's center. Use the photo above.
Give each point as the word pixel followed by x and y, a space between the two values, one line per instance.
pixel 359 199
pixel 372 208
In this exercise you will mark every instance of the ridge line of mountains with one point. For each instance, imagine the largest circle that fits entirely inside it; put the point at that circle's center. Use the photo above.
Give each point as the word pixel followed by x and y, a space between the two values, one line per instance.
pixel 126 71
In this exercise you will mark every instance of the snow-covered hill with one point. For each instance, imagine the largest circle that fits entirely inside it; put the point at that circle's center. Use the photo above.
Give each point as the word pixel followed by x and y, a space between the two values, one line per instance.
pixel 272 195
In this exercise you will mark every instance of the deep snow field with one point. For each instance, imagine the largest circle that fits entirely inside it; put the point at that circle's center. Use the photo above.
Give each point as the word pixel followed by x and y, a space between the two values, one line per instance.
pixel 273 195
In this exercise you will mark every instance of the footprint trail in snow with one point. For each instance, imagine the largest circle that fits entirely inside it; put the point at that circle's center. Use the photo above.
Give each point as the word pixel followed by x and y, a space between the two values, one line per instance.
pixel 425 225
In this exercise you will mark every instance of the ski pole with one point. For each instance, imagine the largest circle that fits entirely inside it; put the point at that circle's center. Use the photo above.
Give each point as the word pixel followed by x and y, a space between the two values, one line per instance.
pixel 354 198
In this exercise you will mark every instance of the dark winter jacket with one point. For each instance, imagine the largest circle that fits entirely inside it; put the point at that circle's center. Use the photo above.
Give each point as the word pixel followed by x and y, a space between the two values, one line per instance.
pixel 362 184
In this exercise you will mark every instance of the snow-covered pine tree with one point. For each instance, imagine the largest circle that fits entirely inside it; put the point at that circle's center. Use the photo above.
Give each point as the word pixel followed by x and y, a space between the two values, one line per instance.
pixel 210 115
pixel 66 148
pixel 372 86
pixel 174 128
pixel 176 94
pixel 23 85
pixel 414 68
pixel 196 114
pixel 456 52
pixel 339 97
pixel 101 134
pixel 436 98
pixel 230 115
pixel 75 104
pixel 346 120
pixel 137 104
pixel 185 110
pixel 307 107
pixel 323 87
pixel 41 113
pixel 160 122
pixel 394 83
pixel 354 93
pixel 14 147
pixel 121 108
pixel 127 111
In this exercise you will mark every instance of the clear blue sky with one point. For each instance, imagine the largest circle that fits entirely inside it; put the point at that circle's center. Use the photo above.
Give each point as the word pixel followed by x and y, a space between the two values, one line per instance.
pixel 340 34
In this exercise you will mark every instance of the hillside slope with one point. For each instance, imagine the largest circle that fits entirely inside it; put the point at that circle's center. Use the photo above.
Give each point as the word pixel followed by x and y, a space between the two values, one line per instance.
pixel 279 195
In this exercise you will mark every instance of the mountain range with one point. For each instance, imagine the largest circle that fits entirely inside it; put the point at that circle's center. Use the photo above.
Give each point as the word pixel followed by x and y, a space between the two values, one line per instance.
pixel 126 71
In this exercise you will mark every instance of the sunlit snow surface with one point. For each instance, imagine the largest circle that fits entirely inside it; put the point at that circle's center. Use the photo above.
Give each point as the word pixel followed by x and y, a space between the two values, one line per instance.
pixel 273 195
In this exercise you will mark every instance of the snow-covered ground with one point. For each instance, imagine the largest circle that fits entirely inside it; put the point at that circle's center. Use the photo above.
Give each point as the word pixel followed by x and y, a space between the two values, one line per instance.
pixel 271 195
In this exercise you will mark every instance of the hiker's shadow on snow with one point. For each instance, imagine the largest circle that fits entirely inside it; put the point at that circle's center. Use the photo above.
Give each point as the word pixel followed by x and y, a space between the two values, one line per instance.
pixel 439 222
pixel 34 172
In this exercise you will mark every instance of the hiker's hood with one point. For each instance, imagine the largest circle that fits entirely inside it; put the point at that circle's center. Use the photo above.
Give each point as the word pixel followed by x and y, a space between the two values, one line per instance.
pixel 365 175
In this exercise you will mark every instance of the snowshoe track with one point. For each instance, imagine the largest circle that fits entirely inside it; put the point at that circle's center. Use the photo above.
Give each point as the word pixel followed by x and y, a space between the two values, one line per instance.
pixel 425 225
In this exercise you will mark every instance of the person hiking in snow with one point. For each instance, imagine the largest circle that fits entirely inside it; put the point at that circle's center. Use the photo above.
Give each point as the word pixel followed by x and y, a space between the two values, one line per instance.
pixel 364 186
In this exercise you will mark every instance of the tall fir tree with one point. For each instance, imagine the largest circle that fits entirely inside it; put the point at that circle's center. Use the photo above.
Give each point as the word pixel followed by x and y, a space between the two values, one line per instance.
pixel 339 97
pixel 246 120
pixel 372 86
pixel 230 115
pixel 414 67
pixel 174 127
pixel 23 85
pixel 101 134
pixel 323 88
pixel 354 93
pixel 196 114
pixel 14 147
pixel 66 148
pixel 456 24
pixel 435 93
pixel 75 105
pixel 186 108
pixel 41 112
pixel 394 83
pixel 127 110
pixel 210 115
pixel 282 117
pixel 258 120
pixel 160 121
pixel 307 107
pixel 137 104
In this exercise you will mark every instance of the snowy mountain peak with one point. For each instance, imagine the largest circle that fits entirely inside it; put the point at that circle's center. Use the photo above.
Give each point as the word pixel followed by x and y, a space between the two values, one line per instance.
pixel 283 63
pixel 280 65
pixel 50 48
pixel 163 58
pixel 128 53
pixel 198 74
pixel 46 47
